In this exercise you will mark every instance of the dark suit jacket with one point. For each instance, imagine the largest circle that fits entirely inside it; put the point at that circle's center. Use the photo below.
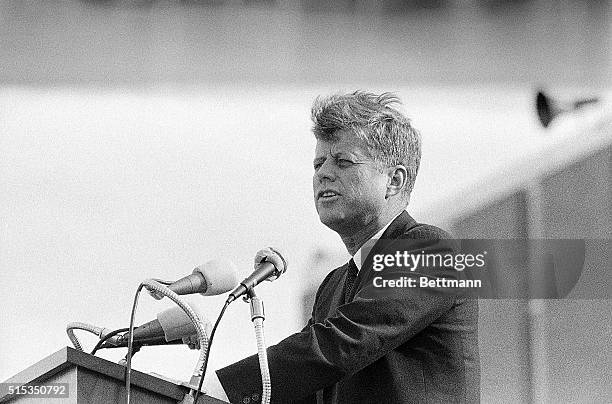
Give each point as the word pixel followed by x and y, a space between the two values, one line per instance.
pixel 385 345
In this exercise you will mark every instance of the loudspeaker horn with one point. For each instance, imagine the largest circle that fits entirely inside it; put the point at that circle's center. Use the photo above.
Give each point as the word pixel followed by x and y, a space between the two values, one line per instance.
pixel 548 109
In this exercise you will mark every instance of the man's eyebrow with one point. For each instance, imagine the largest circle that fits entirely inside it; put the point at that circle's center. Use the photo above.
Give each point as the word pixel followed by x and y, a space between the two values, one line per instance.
pixel 318 160
pixel 337 153
pixel 346 154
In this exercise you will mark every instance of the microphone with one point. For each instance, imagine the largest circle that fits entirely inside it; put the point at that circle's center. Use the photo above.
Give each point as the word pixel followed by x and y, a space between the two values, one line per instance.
pixel 170 327
pixel 269 265
pixel 212 278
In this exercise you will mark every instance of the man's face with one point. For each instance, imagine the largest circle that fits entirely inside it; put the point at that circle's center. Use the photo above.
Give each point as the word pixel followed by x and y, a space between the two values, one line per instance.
pixel 349 190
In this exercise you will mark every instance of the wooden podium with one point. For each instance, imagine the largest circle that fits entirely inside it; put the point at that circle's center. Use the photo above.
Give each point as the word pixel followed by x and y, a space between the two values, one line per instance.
pixel 94 380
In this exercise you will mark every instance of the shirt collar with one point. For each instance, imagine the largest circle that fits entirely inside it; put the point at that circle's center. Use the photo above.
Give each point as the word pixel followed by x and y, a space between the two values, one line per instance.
pixel 357 256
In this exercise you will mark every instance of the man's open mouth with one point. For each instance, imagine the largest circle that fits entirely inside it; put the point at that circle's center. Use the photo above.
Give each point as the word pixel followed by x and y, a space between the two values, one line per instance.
pixel 327 194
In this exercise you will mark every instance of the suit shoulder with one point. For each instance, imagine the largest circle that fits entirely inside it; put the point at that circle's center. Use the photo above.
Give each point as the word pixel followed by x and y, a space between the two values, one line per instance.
pixel 431 237
pixel 426 232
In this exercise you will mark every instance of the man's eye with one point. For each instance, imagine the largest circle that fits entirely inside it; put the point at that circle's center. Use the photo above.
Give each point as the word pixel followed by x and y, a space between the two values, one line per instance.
pixel 344 163
pixel 317 166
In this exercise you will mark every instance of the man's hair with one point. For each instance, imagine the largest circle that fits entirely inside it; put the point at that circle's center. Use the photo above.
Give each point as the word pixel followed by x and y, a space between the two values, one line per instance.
pixel 390 138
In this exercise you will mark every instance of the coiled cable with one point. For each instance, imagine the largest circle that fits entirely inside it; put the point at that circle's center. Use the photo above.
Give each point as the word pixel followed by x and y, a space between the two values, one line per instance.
pixel 154 285
pixel 263 361
pixel 98 331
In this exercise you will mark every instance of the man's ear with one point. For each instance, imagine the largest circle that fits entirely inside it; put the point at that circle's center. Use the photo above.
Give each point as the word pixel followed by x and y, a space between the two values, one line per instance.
pixel 398 175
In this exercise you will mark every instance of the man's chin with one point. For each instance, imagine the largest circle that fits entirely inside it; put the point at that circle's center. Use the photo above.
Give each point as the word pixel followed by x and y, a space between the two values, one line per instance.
pixel 334 222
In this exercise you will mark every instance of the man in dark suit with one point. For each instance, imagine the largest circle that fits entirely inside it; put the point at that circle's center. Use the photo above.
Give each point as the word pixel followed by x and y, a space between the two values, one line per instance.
pixel 369 340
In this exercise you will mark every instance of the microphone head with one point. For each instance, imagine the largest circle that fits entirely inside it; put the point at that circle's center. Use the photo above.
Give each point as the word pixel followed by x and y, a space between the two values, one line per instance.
pixel 220 276
pixel 274 257
pixel 176 324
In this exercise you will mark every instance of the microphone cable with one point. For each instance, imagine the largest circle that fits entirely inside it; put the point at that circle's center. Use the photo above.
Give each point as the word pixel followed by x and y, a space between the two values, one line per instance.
pixel 106 338
pixel 163 290
pixel 98 331
pixel 210 341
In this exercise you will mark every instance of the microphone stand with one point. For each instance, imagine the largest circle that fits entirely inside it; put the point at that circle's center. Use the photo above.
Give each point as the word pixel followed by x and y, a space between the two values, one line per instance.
pixel 258 317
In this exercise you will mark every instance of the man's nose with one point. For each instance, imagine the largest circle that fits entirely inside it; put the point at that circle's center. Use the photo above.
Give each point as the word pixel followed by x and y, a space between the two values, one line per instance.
pixel 327 171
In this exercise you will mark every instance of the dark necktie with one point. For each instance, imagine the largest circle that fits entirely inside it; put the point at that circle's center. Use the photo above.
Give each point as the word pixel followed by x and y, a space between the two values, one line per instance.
pixel 351 278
